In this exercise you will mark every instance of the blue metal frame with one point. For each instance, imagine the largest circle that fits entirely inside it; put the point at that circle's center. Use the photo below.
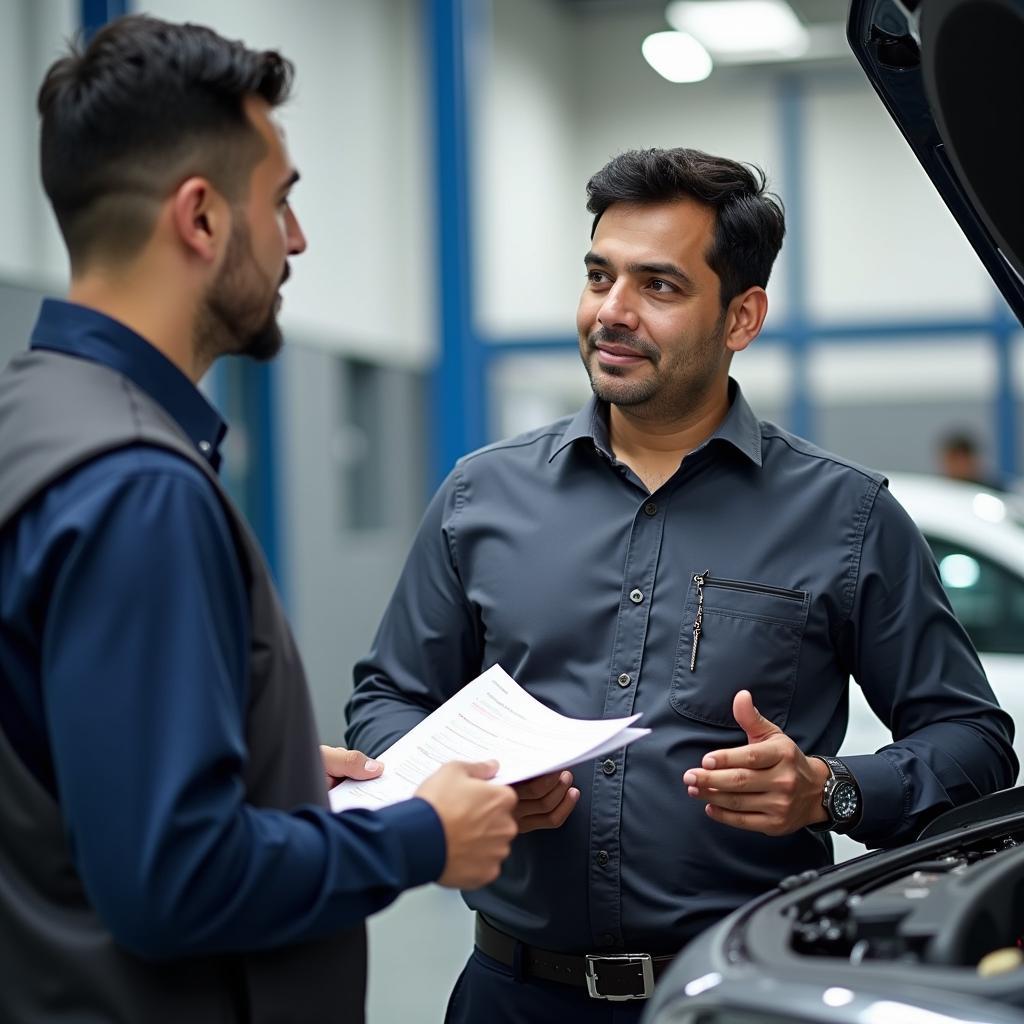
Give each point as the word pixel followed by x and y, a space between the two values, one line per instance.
pixel 459 386
pixel 461 377
pixel 94 14
pixel 260 381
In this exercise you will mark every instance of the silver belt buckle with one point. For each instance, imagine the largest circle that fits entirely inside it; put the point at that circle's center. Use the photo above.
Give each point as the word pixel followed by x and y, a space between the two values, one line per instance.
pixel 645 974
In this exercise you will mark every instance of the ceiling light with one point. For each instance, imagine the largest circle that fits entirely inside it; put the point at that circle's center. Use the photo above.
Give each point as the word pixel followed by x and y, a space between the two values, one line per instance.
pixel 677 56
pixel 734 28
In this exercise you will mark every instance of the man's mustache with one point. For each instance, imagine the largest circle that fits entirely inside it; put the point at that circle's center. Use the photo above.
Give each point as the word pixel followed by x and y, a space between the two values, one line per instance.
pixel 610 336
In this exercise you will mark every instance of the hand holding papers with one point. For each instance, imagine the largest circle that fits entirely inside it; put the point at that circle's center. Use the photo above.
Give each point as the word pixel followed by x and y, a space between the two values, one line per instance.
pixel 491 717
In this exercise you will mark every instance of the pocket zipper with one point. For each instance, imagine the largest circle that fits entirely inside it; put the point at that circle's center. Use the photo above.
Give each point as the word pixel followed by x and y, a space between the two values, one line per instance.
pixel 702 580
pixel 755 588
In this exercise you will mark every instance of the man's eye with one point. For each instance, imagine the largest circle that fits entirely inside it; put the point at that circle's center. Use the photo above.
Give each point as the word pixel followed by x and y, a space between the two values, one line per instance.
pixel 661 286
pixel 596 277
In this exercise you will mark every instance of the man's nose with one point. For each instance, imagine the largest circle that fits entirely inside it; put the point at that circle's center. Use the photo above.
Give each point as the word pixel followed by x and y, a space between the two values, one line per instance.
pixel 296 238
pixel 618 308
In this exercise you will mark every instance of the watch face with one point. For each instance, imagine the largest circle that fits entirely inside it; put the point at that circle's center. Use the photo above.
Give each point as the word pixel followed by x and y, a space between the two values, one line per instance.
pixel 844 801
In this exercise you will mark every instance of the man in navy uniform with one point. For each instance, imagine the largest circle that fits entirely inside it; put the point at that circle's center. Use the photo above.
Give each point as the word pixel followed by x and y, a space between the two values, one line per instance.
pixel 166 850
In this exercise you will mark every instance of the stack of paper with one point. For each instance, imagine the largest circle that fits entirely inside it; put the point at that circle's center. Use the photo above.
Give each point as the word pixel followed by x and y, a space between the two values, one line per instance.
pixel 492 717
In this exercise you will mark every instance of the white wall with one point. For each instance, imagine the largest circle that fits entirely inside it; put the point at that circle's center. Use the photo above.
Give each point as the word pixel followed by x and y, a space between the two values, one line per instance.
pixel 527 197
pixel 561 93
pixel 557 95
pixel 356 130
pixel 882 244
pixel 32 36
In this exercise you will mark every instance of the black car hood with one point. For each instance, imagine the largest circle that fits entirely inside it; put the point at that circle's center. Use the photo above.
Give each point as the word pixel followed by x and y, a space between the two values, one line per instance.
pixel 951 75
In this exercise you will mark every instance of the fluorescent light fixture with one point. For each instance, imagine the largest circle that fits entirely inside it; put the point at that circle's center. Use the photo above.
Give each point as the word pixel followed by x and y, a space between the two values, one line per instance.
pixel 677 56
pixel 741 28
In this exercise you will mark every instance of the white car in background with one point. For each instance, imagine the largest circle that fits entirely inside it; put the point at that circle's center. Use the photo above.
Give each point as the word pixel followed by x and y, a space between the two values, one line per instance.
pixel 977 536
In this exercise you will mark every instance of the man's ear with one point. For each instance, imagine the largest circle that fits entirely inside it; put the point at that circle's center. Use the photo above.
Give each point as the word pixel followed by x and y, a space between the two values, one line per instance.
pixel 201 218
pixel 744 318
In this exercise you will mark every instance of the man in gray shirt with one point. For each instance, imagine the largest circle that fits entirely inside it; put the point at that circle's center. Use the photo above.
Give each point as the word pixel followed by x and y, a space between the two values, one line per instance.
pixel 665 552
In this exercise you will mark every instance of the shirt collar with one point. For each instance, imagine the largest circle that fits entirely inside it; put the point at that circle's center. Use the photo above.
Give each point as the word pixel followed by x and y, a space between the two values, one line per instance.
pixel 88 334
pixel 740 428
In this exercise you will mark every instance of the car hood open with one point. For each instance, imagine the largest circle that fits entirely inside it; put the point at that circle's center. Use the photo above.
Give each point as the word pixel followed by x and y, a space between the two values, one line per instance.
pixel 951 75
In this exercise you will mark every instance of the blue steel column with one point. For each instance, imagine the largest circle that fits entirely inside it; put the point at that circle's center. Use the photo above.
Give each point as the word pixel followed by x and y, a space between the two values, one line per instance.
pixel 458 414
pixel 1005 405
pixel 94 14
pixel 798 336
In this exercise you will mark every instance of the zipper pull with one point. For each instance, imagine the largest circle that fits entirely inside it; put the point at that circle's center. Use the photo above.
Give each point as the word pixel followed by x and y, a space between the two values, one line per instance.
pixel 697 622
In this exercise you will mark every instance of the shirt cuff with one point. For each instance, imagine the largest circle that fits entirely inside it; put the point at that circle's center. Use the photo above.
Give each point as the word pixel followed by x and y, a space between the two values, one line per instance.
pixel 883 794
pixel 421 835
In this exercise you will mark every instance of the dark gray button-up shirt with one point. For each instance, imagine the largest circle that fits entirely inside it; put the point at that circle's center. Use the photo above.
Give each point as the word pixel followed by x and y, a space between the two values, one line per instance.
pixel 546 555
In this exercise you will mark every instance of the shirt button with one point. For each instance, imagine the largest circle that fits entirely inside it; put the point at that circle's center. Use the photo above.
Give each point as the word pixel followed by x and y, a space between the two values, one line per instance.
pixel 607 939
pixel 205 447
pixel 602 858
pixel 624 679
pixel 636 596
pixel 608 766
pixel 650 509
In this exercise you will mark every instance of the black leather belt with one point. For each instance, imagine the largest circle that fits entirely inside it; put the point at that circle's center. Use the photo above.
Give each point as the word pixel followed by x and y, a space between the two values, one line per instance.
pixel 615 976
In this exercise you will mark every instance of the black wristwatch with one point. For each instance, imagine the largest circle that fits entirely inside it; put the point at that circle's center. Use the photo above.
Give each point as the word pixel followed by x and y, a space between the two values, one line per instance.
pixel 841 798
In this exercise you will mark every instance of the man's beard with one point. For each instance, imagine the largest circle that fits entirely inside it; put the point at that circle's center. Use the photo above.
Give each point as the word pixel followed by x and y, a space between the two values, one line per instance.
pixel 238 315
pixel 675 384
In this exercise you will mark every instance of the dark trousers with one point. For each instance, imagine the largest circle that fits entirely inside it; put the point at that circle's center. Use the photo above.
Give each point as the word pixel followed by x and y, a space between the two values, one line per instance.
pixel 487 993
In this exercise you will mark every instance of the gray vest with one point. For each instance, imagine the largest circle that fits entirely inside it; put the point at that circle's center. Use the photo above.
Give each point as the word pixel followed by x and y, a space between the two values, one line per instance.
pixel 58 963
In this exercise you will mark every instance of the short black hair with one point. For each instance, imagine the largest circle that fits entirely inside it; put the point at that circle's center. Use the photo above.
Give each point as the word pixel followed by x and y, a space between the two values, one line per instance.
pixel 749 221
pixel 144 106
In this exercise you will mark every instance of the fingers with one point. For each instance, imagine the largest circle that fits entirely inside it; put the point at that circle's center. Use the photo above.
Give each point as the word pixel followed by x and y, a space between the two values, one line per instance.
pixel 750 720
pixel 552 818
pixel 478 769
pixel 542 785
pixel 754 756
pixel 730 780
pixel 340 763
pixel 748 821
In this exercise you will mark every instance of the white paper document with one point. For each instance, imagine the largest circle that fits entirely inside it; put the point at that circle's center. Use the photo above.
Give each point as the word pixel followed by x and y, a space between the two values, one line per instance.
pixel 492 717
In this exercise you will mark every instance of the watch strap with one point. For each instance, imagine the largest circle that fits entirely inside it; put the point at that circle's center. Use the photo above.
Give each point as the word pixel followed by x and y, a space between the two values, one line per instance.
pixel 838 772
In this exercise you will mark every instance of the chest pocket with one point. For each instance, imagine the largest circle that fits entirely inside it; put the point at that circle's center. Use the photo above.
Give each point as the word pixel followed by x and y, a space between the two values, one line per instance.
pixel 749 639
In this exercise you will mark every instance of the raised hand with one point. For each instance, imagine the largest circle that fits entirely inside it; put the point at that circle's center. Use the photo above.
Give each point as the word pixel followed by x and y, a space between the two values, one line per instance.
pixel 767 785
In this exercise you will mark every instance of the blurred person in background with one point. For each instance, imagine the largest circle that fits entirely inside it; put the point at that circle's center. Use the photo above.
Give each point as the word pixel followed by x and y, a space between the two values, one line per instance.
pixel 960 458
pixel 166 849
pixel 665 552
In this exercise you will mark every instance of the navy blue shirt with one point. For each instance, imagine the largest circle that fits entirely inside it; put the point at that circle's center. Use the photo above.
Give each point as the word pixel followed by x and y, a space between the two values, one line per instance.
pixel 124 646
pixel 545 554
